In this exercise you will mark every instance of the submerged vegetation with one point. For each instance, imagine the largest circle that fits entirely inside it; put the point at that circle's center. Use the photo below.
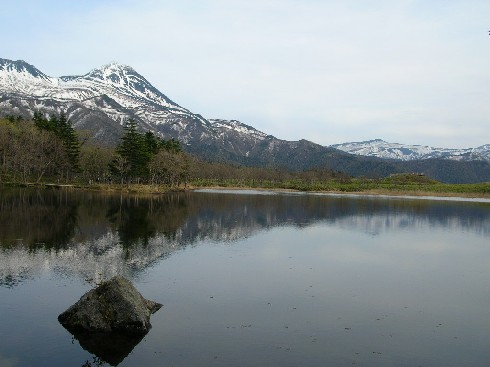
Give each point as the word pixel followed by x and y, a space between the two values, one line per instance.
pixel 47 150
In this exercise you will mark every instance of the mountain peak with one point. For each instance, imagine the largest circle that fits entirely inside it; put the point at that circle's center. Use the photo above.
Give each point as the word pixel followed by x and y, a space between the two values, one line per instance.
pixel 114 73
pixel 115 67
pixel 21 67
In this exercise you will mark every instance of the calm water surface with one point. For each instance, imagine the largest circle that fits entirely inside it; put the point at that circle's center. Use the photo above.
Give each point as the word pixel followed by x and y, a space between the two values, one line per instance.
pixel 251 279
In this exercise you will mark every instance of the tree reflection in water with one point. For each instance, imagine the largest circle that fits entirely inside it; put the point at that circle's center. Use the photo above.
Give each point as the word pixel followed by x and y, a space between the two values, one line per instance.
pixel 95 236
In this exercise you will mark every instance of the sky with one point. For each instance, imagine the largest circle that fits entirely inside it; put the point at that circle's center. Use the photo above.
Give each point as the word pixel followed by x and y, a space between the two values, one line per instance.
pixel 405 71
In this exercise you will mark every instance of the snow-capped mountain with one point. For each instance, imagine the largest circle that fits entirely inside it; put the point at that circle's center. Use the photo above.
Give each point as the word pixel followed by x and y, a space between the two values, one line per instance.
pixel 120 82
pixel 381 149
pixel 102 100
pixel 113 91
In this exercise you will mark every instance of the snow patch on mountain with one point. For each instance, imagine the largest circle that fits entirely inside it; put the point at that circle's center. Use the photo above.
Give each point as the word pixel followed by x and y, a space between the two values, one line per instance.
pixel 382 149
pixel 19 77
pixel 239 127
pixel 122 83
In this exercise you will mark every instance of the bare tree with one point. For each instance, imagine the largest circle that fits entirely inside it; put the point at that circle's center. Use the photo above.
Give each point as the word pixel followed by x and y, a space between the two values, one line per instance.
pixel 94 163
pixel 38 153
pixel 169 168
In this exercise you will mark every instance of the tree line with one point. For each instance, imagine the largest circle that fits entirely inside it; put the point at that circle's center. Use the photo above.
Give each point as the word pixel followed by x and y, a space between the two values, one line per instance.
pixel 48 149
pixel 39 148
pixel 146 158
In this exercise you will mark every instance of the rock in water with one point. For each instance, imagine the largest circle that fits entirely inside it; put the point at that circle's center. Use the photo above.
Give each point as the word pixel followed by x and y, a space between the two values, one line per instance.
pixel 111 348
pixel 114 306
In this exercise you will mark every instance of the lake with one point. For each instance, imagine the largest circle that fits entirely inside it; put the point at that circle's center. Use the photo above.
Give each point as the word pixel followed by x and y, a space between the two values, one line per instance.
pixel 250 278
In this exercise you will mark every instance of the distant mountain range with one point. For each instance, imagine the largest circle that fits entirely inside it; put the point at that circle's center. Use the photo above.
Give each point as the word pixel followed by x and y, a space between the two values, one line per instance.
pixel 103 99
pixel 382 149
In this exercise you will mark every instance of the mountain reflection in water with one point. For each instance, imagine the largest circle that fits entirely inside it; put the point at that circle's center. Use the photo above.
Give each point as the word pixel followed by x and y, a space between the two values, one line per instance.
pixel 95 236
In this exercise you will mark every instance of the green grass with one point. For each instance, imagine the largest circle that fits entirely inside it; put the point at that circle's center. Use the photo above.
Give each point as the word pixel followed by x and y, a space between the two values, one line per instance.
pixel 393 185
pixel 397 185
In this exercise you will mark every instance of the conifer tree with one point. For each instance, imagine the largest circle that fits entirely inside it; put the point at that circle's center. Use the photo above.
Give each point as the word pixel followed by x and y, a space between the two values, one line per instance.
pixel 134 151
pixel 153 143
pixel 41 121
pixel 70 140
pixel 171 145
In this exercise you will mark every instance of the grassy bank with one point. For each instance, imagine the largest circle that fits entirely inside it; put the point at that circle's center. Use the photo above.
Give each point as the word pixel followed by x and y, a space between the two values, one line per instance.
pixel 124 188
pixel 387 186
pixel 395 185
pixel 132 188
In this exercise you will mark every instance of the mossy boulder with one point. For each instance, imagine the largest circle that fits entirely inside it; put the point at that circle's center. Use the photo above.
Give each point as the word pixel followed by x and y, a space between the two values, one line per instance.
pixel 114 306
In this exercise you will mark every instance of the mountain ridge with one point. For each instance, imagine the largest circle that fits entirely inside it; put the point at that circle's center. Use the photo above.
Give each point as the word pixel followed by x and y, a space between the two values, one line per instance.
pixel 405 152
pixel 104 98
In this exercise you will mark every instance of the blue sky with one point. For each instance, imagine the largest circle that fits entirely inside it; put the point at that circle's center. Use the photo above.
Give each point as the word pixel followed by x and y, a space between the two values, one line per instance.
pixel 414 72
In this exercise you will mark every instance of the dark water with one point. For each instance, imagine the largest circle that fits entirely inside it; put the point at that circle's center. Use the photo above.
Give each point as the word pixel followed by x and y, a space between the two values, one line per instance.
pixel 251 279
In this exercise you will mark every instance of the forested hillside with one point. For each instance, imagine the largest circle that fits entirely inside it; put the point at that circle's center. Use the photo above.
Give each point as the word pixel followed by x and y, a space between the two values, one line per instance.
pixel 48 149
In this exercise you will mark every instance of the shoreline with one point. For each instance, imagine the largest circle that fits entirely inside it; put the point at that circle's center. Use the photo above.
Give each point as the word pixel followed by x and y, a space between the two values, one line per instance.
pixel 372 193
pixel 161 189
